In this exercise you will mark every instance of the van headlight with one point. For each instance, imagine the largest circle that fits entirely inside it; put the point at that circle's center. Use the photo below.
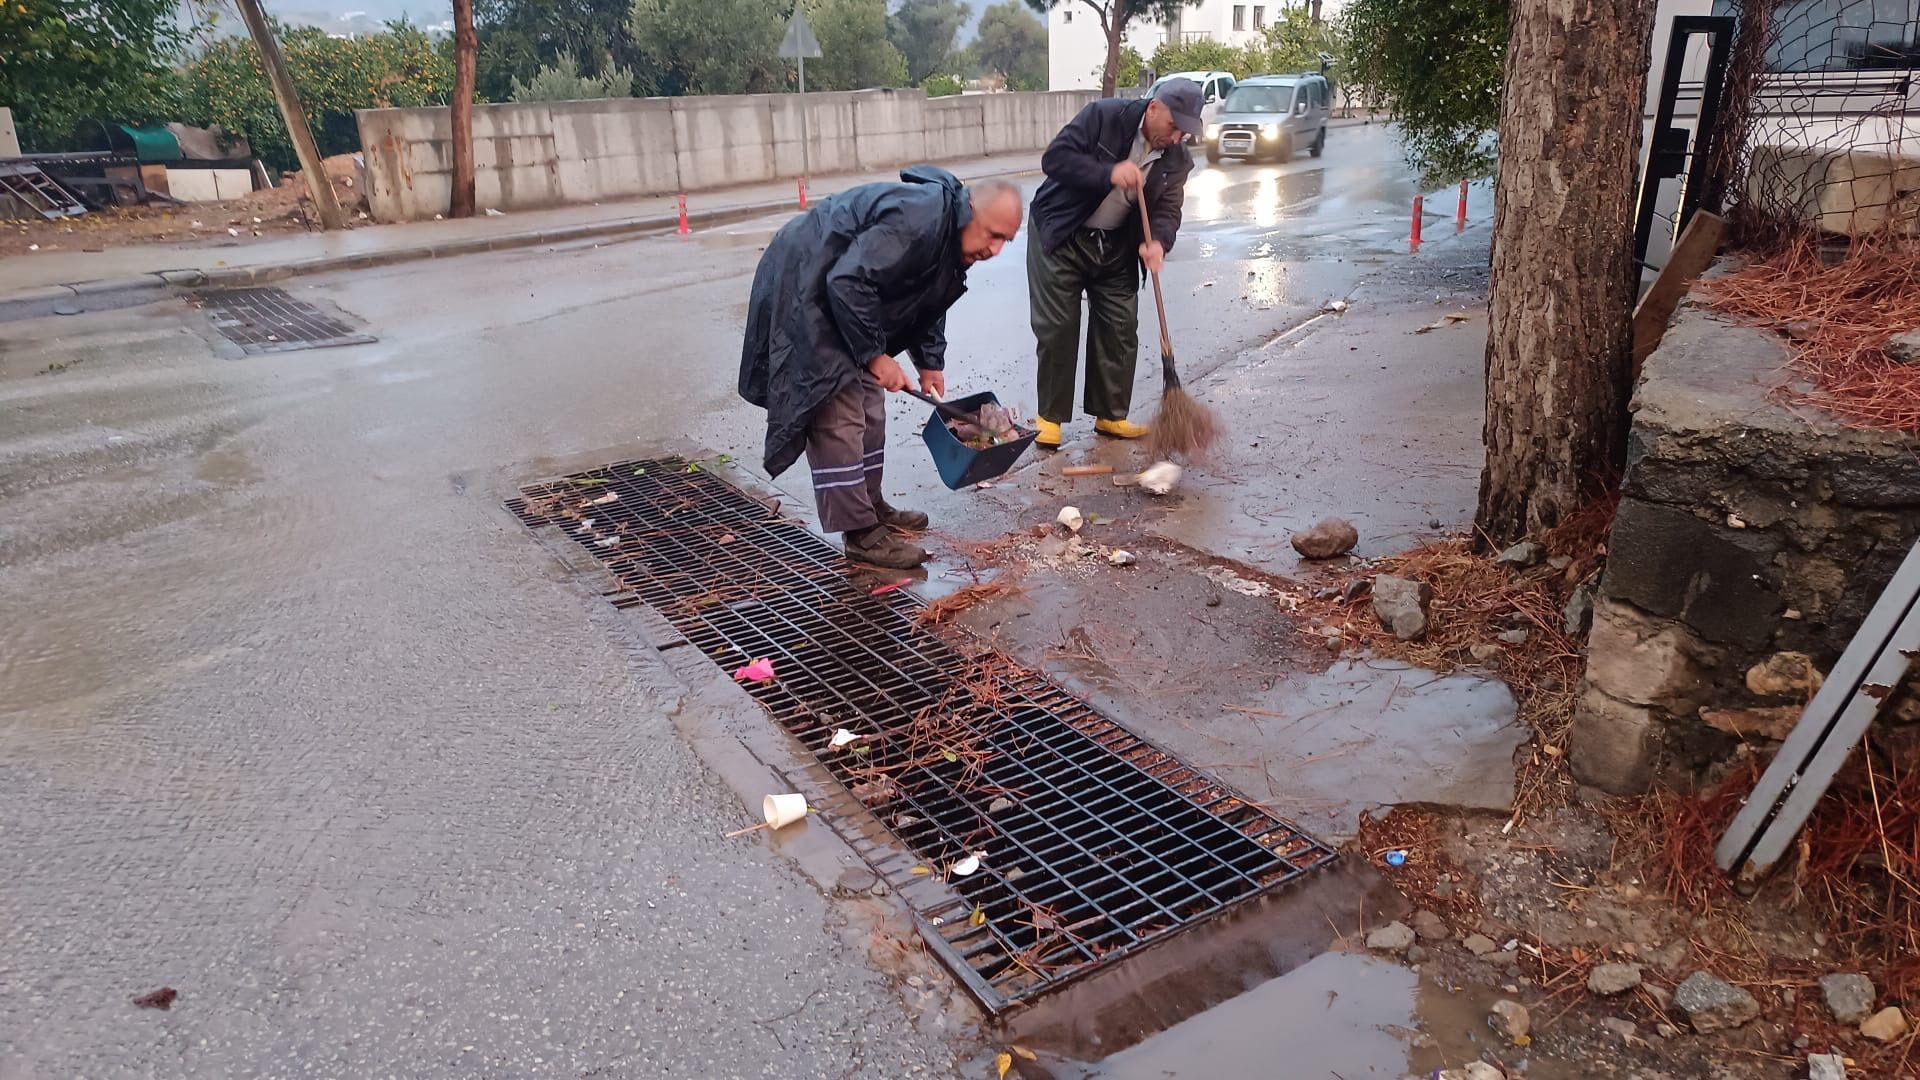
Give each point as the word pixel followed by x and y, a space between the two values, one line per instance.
pixel 1213 132
pixel 1270 131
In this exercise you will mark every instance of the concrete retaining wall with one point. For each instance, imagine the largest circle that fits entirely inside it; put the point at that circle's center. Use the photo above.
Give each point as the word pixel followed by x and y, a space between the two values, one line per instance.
pixel 1750 543
pixel 553 153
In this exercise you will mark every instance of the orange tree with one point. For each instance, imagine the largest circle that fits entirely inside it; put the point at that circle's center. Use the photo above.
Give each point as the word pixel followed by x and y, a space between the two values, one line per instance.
pixel 66 62
pixel 399 68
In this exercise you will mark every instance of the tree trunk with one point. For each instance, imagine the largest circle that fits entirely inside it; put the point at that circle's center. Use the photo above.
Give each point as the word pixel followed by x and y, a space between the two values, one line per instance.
pixel 1114 25
pixel 1561 294
pixel 466 48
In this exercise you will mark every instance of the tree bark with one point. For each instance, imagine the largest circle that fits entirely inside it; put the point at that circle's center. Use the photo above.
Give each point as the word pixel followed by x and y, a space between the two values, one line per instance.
pixel 466 47
pixel 1561 294
pixel 1114 23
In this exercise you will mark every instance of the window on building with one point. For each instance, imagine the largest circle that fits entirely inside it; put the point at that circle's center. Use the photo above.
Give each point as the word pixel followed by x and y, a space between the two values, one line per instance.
pixel 1239 16
pixel 1067 15
pixel 1259 17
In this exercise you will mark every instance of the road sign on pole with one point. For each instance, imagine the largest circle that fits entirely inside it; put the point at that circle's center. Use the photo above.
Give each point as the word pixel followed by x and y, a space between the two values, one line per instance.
pixel 797 46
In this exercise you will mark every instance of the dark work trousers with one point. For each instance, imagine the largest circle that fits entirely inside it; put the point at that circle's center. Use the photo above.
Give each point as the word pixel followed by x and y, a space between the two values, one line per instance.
pixel 846 446
pixel 1105 268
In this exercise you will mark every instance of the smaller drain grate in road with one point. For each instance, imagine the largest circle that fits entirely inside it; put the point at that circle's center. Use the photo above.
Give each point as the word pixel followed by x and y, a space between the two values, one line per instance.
pixel 1091 843
pixel 267 320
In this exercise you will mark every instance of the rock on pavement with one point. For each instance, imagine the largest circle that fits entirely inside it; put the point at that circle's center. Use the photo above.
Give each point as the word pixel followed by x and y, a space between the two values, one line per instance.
pixel 1510 1019
pixel 1712 1004
pixel 1401 605
pixel 1826 1067
pixel 1393 937
pixel 1330 538
pixel 1522 555
pixel 1429 926
pixel 1610 979
pixel 1886 1026
pixel 1480 944
pixel 1849 996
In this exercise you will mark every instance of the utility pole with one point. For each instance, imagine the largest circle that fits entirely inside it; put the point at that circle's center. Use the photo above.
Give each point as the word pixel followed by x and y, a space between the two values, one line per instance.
pixel 465 48
pixel 295 117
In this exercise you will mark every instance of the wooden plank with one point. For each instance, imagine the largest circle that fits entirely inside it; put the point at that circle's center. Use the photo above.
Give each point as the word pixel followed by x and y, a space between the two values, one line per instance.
pixel 1689 259
pixel 1880 655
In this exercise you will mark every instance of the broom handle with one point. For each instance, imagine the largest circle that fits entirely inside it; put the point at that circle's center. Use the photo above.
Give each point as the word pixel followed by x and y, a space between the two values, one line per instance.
pixel 1159 304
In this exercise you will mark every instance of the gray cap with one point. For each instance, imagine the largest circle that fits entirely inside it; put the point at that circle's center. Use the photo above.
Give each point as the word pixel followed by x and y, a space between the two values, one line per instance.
pixel 1182 99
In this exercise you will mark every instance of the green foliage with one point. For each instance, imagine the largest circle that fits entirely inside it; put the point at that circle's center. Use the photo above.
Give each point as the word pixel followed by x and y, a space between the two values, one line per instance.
pixel 519 37
pixel 925 31
pixel 63 62
pixel 1012 44
pixel 1202 54
pixel 1436 65
pixel 710 46
pixel 1131 65
pixel 855 52
pixel 562 81
pixel 400 68
pixel 1293 42
pixel 943 85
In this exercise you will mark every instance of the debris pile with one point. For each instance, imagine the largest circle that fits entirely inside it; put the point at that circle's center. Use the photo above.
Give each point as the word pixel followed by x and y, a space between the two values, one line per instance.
pixel 1843 319
pixel 989 426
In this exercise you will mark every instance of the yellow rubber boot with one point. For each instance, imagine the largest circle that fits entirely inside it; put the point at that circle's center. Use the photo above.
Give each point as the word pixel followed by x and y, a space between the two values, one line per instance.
pixel 1049 433
pixel 1121 429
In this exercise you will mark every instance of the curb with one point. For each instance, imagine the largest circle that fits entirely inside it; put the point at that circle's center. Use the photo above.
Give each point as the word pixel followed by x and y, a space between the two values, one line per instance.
pixel 157 285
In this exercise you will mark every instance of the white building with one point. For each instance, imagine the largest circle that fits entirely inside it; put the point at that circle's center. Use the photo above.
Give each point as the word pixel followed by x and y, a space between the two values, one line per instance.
pixel 1077 47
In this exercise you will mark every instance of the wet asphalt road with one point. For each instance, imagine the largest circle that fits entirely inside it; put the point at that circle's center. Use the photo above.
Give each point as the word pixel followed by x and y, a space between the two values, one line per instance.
pixel 295 719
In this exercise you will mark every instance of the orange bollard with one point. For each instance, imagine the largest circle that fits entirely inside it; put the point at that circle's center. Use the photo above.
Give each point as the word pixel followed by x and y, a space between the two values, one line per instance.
pixel 1460 214
pixel 803 193
pixel 1419 206
pixel 683 214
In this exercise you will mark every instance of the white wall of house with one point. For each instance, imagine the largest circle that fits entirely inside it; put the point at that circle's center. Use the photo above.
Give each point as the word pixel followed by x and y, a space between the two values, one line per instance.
pixel 1077 49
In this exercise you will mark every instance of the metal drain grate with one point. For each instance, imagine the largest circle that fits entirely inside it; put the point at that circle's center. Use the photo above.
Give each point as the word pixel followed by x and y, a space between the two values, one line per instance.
pixel 1094 843
pixel 269 321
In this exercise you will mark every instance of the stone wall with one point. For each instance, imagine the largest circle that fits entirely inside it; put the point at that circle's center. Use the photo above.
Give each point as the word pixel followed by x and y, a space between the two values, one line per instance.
pixel 1749 536
pixel 551 153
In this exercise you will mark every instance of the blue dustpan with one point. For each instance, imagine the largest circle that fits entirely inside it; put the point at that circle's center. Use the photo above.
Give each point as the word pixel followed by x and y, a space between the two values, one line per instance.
pixel 961 465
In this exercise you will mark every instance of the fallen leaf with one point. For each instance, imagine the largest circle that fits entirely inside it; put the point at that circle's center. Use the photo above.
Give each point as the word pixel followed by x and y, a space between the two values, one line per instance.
pixel 1003 1064
pixel 591 482
pixel 880 590
pixel 162 998
pixel 639 472
pixel 978 918
pixel 728 538
pixel 862 748
pixel 950 756
pixel 920 871
pixel 1026 1054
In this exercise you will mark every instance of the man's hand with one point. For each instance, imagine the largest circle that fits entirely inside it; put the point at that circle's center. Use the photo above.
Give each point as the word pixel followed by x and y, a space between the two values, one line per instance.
pixel 1127 175
pixel 934 384
pixel 886 372
pixel 1153 255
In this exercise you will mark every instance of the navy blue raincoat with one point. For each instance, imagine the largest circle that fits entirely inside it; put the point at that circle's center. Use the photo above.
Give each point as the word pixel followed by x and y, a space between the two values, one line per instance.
pixel 868 272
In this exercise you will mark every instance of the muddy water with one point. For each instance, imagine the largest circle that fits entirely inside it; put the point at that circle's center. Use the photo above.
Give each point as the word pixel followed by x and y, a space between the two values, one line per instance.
pixel 1339 1015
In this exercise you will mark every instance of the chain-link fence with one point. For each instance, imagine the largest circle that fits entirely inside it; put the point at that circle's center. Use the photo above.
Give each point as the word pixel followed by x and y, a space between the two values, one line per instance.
pixel 1819 124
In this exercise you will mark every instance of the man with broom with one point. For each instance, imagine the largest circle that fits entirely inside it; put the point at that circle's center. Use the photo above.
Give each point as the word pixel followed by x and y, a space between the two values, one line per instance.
pixel 840 291
pixel 1088 241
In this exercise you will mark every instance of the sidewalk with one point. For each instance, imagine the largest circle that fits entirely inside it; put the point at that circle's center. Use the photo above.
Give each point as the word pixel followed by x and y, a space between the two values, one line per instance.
pixel 35 284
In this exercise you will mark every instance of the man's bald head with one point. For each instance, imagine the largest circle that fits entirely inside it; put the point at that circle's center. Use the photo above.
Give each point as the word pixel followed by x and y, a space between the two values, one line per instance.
pixel 996 218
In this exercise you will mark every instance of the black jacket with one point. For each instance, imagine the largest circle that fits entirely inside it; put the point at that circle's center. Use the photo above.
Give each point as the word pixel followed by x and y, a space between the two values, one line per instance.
pixel 1079 166
pixel 870 271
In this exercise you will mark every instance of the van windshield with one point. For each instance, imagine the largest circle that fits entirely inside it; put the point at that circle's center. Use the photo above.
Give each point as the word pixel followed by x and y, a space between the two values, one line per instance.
pixel 1260 99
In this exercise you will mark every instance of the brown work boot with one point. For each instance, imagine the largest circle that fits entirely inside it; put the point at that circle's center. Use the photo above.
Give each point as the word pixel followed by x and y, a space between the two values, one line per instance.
pixel 910 520
pixel 877 546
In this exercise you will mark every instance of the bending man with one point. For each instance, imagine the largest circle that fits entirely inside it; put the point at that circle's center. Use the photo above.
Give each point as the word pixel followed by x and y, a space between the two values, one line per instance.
pixel 841 291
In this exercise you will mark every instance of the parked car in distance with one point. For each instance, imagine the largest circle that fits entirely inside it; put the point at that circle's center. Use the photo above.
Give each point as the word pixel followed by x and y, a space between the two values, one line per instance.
pixel 1271 116
pixel 1214 88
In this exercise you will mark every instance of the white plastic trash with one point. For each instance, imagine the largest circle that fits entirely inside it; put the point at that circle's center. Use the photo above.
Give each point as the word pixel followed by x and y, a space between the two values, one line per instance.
pixel 783 810
pixel 1071 517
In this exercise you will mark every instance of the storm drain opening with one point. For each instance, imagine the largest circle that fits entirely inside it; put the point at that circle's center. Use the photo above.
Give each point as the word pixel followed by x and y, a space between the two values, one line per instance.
pixel 1043 840
pixel 267 320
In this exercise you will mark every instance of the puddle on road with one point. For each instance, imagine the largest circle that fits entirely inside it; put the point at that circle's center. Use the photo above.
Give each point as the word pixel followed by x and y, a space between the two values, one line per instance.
pixel 1339 1015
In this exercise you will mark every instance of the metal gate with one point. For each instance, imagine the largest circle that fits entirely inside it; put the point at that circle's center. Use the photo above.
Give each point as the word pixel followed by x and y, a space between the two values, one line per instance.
pixel 1676 151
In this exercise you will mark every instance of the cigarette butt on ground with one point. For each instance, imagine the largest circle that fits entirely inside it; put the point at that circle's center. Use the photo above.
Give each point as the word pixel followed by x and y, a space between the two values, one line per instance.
pixel 1086 470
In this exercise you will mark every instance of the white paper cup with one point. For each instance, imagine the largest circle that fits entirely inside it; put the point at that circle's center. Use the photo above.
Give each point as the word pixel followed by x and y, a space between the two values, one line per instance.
pixel 783 810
